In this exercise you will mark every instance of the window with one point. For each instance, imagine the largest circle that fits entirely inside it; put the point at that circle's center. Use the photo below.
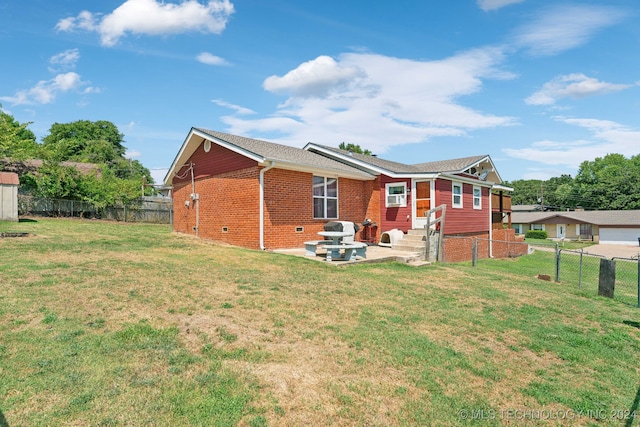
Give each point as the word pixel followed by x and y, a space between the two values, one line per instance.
pixel 517 228
pixel 457 195
pixel 585 231
pixel 325 197
pixel 396 194
pixel 477 197
pixel 537 226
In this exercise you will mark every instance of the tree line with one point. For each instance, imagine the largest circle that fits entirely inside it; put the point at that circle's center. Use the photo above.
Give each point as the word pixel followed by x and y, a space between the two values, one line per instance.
pixel 110 179
pixel 606 183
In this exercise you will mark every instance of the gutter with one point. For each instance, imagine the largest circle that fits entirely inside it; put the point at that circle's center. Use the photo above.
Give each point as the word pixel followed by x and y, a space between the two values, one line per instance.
pixel 262 172
pixel 490 225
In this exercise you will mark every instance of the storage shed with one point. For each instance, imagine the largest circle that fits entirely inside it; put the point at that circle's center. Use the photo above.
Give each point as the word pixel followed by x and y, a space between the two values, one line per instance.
pixel 9 183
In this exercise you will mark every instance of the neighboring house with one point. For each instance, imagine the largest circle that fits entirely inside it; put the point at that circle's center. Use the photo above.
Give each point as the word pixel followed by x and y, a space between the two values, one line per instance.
pixel 262 195
pixel 608 227
pixel 32 165
pixel 530 208
pixel 9 183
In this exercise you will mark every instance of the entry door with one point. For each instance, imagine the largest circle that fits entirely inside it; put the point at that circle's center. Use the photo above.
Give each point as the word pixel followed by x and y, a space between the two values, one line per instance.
pixel 421 203
pixel 561 231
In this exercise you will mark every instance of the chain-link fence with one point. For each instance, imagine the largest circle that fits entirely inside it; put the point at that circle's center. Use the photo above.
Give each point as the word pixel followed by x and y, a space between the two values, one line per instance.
pixel 160 212
pixel 627 285
pixel 577 268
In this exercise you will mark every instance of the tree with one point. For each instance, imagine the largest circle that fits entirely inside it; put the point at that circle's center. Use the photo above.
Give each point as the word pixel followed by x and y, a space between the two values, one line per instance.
pixel 609 182
pixel 354 148
pixel 16 141
pixel 84 141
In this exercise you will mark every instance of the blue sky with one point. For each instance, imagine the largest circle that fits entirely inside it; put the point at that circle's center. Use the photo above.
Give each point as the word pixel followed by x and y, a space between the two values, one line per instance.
pixel 538 85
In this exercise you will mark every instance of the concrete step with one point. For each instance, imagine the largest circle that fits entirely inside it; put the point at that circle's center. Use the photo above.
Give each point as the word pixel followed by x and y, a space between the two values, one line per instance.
pixel 413 238
pixel 408 247
pixel 415 231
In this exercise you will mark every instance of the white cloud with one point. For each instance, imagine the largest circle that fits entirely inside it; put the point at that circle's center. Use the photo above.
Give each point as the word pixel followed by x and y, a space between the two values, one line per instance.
pixel 151 17
pixel 45 91
pixel 376 101
pixel 210 59
pixel 64 60
pixel 564 27
pixel 573 86
pixel 487 5
pixel 132 154
pixel 237 108
pixel 314 78
pixel 606 137
pixel 84 21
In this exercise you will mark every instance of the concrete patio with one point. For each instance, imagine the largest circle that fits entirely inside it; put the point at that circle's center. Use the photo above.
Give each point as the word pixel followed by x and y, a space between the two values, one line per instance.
pixel 375 253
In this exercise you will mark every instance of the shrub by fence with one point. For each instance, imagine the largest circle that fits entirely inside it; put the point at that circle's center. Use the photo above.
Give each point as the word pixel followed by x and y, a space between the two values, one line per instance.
pixel 144 211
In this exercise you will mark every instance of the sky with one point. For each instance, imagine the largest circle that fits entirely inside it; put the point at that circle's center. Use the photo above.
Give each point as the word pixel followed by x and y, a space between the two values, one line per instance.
pixel 539 85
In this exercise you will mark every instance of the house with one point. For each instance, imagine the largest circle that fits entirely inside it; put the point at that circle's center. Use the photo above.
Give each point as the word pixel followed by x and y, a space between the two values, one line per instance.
pixel 262 195
pixel 607 227
pixel 9 183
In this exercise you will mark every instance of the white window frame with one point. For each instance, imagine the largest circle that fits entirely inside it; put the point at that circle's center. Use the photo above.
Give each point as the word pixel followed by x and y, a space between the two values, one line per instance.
pixel 395 200
pixel 532 227
pixel 477 198
pixel 325 198
pixel 454 195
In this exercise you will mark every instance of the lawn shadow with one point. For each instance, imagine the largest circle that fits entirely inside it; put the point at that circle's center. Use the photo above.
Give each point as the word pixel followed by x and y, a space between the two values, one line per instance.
pixel 3 420
pixel 632 323
pixel 26 220
pixel 634 407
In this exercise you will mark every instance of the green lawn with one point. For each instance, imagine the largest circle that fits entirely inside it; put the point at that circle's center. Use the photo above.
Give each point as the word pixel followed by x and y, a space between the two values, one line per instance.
pixel 114 324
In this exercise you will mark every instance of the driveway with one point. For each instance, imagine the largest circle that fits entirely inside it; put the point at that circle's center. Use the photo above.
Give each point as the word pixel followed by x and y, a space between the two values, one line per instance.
pixel 611 251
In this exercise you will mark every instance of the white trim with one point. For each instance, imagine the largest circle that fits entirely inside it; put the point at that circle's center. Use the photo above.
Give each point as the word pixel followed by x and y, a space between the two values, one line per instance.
pixel 479 198
pixel 326 197
pixel 400 203
pixel 455 205
pixel 365 165
pixel 490 224
pixel 414 207
pixel 262 171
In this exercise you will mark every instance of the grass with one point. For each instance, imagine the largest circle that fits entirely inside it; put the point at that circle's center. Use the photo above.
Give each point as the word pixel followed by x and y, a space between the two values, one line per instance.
pixel 567 244
pixel 116 324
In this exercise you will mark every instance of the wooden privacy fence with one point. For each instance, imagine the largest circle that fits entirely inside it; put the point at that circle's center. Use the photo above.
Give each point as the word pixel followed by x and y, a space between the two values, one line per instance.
pixel 160 212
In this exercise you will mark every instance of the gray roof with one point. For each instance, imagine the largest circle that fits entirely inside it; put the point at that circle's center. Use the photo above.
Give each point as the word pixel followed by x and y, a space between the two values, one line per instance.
pixel 454 165
pixel 283 153
pixel 611 218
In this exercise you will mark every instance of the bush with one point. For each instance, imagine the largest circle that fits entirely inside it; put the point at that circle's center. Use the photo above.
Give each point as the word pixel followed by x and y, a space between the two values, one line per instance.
pixel 536 234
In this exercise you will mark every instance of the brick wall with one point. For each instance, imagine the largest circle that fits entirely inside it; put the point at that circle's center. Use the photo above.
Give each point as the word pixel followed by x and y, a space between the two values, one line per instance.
pixel 227 211
pixel 289 207
pixel 230 202
pixel 459 248
pixel 506 244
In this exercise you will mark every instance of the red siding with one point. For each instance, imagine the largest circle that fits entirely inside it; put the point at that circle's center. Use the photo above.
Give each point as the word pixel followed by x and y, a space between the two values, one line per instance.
pixel 392 217
pixel 218 160
pixel 466 219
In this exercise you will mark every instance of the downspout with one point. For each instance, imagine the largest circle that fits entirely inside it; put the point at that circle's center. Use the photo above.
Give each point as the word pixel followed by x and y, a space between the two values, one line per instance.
pixel 490 224
pixel 262 171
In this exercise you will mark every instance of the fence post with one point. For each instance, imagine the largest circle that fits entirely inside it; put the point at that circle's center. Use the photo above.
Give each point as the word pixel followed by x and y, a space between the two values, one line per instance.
pixel 580 272
pixel 474 252
pixel 607 278
pixel 557 263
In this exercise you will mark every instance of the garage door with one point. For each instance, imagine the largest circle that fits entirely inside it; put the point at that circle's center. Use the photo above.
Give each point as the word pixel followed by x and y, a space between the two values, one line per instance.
pixel 619 236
